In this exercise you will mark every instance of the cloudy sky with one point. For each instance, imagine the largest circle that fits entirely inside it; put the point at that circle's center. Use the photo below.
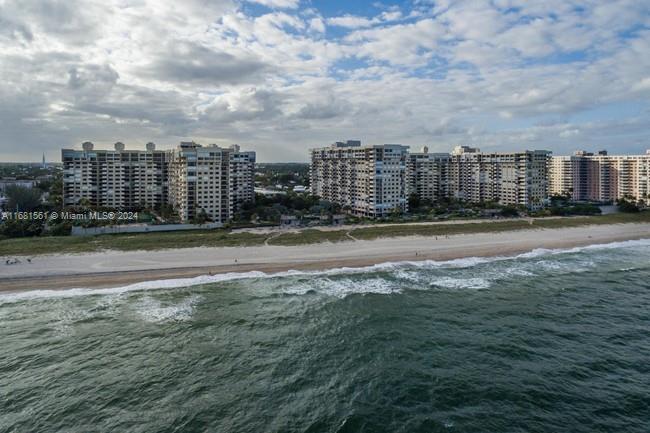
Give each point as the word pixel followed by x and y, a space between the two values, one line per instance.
pixel 281 76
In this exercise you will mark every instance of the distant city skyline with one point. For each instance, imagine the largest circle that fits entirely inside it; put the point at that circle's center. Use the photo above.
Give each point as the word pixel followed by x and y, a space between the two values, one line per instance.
pixel 283 76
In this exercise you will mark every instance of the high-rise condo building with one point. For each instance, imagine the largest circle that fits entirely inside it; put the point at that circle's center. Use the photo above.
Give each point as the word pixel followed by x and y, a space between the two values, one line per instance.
pixel 560 175
pixel 116 178
pixel 242 177
pixel 199 181
pixel 600 177
pixel 367 181
pixel 192 178
pixel 428 175
pixel 508 178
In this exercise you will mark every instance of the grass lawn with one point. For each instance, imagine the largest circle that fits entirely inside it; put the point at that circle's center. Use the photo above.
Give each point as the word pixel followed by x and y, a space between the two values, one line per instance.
pixel 223 238
pixel 309 236
pixel 127 242
pixel 496 226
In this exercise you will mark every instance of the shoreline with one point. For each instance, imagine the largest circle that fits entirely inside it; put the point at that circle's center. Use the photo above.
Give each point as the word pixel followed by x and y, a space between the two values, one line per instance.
pixel 115 268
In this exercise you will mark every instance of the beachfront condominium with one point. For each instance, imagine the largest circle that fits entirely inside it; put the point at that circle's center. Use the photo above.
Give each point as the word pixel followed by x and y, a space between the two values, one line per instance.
pixel 199 181
pixel 116 178
pixel 242 177
pixel 367 181
pixel 507 178
pixel 195 180
pixel 210 180
pixel 427 175
pixel 373 181
pixel 600 177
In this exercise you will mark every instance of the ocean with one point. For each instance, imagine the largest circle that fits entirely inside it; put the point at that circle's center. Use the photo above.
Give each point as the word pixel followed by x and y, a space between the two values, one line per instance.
pixel 548 341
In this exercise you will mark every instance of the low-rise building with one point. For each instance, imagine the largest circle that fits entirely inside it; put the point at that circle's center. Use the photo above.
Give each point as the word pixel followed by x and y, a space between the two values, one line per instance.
pixel 9 182
pixel 288 221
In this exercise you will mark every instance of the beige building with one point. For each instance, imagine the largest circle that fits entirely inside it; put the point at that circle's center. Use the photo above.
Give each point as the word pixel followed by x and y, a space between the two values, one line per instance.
pixel 372 181
pixel 199 181
pixel 242 178
pixel 428 175
pixel 119 178
pixel 560 179
pixel 508 178
pixel 192 178
pixel 600 177
pixel 368 181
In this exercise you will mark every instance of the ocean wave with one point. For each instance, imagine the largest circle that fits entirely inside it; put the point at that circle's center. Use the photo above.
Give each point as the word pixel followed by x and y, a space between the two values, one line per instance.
pixel 155 311
pixel 143 286
pixel 462 283
pixel 537 252
pixel 343 287
pixel 466 262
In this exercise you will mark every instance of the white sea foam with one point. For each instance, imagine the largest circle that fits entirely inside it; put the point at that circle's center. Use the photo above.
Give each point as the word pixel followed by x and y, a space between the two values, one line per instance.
pixel 341 288
pixel 153 310
pixel 609 246
pixel 64 320
pixel 462 283
pixel 467 262
pixel 145 285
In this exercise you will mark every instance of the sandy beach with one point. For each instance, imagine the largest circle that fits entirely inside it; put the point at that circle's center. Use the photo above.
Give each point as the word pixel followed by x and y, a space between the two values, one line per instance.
pixel 118 268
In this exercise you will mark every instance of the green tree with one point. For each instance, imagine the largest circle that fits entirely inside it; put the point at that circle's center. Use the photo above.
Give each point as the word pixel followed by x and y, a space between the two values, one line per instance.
pixel 55 192
pixel 509 211
pixel 201 217
pixel 627 206
pixel 22 199
pixel 21 228
pixel 414 202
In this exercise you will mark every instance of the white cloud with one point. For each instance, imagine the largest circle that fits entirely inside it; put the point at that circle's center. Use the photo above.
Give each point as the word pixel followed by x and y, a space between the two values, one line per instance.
pixel 281 4
pixel 442 73
pixel 643 84
pixel 568 133
pixel 359 22
pixel 351 21
pixel 400 44
pixel 317 25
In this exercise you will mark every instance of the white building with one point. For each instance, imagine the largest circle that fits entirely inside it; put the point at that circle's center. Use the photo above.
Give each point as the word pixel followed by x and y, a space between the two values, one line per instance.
pixel 242 178
pixel 367 181
pixel 9 182
pixel 199 181
pixel 192 178
pixel 119 178
pixel 428 175
pixel 507 178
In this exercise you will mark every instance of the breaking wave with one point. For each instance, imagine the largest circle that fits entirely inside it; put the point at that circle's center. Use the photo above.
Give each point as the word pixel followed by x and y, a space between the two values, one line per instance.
pixel 321 281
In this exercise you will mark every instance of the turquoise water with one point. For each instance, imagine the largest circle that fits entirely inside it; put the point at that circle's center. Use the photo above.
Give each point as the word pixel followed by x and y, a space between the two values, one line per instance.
pixel 546 342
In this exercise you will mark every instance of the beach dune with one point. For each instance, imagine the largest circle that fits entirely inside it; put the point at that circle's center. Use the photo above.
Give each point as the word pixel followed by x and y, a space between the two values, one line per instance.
pixel 117 268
